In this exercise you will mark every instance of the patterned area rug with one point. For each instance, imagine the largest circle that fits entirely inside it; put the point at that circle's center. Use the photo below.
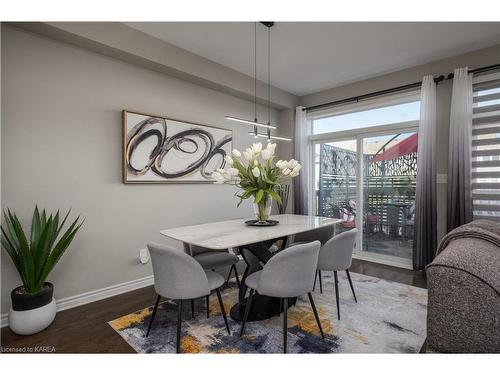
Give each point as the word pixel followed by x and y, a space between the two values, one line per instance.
pixel 388 318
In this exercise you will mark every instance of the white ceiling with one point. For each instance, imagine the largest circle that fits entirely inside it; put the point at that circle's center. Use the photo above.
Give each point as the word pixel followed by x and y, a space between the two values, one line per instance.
pixel 310 57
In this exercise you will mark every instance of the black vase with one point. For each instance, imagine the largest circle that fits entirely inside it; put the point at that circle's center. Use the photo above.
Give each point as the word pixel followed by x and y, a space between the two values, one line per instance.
pixel 30 301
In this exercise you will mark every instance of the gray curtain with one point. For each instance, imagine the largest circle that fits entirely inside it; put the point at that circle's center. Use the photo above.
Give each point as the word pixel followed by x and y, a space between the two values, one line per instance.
pixel 302 155
pixel 459 162
pixel 425 241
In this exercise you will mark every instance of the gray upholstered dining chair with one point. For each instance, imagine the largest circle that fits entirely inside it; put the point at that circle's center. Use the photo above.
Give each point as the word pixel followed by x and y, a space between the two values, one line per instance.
pixel 288 274
pixel 216 259
pixel 179 277
pixel 336 255
pixel 322 235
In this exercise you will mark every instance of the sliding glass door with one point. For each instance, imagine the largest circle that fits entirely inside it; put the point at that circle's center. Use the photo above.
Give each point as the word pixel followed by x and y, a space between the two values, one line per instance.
pixel 389 181
pixel 368 181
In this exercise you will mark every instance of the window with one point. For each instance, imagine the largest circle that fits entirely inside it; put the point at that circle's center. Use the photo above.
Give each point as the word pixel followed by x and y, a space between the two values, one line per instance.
pixel 486 149
pixel 372 117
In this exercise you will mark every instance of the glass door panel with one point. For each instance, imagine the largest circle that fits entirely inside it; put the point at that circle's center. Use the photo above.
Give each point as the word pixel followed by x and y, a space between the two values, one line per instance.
pixel 389 181
pixel 336 165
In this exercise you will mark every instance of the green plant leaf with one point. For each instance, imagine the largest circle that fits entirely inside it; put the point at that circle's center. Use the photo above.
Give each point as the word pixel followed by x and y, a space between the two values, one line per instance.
pixel 10 236
pixel 275 196
pixel 258 196
pixel 25 250
pixel 12 251
pixel 10 230
pixel 35 227
pixel 59 250
pixel 62 223
pixel 42 249
pixel 248 193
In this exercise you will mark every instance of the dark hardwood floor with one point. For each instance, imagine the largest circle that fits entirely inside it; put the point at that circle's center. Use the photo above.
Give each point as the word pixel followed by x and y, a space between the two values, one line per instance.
pixel 382 271
pixel 84 329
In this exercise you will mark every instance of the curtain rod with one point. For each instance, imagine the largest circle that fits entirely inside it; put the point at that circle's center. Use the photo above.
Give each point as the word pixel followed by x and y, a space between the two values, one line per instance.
pixel 395 89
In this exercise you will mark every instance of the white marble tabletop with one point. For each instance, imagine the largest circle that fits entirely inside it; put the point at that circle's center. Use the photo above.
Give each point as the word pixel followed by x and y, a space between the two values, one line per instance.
pixel 234 233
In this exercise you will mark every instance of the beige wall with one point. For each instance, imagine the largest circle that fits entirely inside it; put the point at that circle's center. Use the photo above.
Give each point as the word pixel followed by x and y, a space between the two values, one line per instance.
pixel 125 43
pixel 61 148
pixel 485 57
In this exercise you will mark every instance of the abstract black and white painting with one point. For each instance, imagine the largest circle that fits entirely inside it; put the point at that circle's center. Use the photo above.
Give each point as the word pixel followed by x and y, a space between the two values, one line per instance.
pixel 161 150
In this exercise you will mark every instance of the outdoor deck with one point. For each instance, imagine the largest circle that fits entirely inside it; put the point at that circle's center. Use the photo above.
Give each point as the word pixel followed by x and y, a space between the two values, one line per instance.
pixel 380 243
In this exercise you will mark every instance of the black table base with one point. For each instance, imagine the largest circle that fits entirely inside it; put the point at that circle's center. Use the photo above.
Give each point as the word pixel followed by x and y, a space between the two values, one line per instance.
pixel 263 307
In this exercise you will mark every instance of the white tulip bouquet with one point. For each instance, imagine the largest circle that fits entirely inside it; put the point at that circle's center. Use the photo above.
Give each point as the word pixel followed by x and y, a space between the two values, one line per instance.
pixel 257 176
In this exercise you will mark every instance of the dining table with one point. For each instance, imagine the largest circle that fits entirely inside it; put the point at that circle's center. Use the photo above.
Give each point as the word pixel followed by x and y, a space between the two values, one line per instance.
pixel 253 243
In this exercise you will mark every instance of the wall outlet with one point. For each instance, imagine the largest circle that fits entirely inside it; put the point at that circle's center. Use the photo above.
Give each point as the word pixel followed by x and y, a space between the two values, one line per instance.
pixel 143 256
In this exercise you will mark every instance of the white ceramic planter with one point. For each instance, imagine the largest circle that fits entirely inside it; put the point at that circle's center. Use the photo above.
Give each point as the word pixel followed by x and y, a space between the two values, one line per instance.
pixel 32 321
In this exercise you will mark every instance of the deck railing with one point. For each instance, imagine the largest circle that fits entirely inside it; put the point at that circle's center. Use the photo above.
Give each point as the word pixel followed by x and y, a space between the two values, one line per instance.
pixel 385 182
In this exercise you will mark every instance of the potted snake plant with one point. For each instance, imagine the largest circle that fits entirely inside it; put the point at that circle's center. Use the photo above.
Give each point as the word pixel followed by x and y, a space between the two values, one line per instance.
pixel 34 256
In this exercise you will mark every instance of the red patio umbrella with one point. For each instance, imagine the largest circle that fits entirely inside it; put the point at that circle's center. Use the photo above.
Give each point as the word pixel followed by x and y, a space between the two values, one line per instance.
pixel 406 146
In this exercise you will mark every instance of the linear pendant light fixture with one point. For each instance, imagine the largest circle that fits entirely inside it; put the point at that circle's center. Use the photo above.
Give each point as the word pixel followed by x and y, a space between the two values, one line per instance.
pixel 269 137
pixel 255 122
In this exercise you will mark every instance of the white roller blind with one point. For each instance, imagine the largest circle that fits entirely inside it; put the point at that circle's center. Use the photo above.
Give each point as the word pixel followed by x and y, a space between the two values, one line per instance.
pixel 486 148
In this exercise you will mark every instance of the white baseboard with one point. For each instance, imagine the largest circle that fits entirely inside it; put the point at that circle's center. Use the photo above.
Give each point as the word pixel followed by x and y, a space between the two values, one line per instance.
pixel 96 295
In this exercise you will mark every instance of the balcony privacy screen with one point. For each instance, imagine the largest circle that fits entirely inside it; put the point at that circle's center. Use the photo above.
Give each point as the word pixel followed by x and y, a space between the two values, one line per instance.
pixel 486 150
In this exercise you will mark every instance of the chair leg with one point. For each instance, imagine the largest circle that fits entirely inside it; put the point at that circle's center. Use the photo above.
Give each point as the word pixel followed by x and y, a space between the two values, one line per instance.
pixel 208 306
pixel 315 314
pixel 223 310
pixel 337 293
pixel 153 315
pixel 179 320
pixel 233 268
pixel 285 324
pixel 350 283
pixel 315 279
pixel 229 274
pixel 192 308
pixel 243 287
pixel 320 283
pixel 247 309
pixel 237 277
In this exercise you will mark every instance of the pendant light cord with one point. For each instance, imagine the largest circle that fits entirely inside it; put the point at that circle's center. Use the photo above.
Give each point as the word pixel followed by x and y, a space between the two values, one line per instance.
pixel 268 75
pixel 255 123
pixel 255 68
